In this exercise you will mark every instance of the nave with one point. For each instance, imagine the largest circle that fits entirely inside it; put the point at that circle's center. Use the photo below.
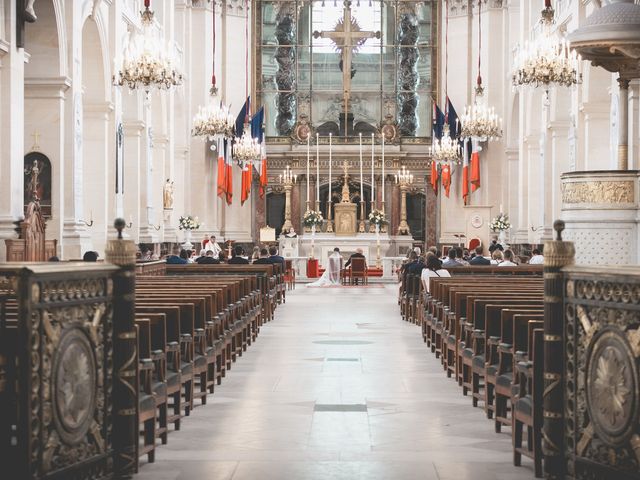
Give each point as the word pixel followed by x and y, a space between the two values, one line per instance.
pixel 339 387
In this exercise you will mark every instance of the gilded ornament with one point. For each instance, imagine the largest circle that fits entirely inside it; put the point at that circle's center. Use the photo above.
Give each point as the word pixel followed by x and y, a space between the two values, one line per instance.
pixel 598 192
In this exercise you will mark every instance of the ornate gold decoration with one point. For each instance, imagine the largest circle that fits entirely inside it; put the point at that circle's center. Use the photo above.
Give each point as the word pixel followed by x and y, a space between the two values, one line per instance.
pixel 598 192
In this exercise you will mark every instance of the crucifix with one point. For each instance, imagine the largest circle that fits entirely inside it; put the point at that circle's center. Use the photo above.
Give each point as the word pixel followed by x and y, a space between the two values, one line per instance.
pixel 36 141
pixel 347 38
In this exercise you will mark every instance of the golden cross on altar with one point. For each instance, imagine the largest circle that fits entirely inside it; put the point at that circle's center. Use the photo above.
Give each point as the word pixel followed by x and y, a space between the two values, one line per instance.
pixel 36 140
pixel 347 37
pixel 345 167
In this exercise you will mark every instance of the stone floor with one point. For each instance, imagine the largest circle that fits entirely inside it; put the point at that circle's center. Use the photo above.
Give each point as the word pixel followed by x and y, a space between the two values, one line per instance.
pixel 337 387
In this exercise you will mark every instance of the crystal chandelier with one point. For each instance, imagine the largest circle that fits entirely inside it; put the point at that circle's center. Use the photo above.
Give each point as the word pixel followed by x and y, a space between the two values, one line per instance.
pixel 547 61
pixel 245 148
pixel 213 121
pixel 478 120
pixel 147 63
pixel 446 149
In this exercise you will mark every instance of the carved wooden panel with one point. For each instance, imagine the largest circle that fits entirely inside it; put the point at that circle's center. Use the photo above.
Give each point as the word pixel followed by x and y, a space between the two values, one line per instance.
pixel 602 385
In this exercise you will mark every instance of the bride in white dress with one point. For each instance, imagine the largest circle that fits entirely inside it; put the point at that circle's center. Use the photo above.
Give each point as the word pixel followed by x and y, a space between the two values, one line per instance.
pixel 331 275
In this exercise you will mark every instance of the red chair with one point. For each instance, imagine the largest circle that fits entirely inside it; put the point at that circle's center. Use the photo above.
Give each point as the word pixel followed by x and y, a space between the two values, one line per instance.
pixel 473 243
pixel 359 271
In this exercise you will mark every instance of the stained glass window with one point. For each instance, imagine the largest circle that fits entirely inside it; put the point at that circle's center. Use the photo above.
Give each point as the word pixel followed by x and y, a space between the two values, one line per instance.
pixel 304 46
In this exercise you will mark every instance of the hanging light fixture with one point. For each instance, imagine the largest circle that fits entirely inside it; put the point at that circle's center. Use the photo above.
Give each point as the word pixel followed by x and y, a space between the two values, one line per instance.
pixel 147 63
pixel 446 149
pixel 245 148
pixel 213 121
pixel 478 120
pixel 547 61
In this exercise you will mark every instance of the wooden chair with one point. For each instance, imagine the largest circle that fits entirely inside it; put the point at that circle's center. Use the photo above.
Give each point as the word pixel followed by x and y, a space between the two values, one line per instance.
pixel 146 408
pixel 359 271
pixel 473 243
pixel 289 275
pixel 527 408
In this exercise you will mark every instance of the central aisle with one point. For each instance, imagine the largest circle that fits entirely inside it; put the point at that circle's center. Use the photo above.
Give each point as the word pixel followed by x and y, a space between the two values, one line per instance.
pixel 337 387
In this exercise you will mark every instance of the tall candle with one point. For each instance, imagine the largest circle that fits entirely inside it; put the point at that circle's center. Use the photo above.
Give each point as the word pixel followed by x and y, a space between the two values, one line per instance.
pixel 383 168
pixel 330 143
pixel 308 161
pixel 361 189
pixel 317 170
pixel 373 179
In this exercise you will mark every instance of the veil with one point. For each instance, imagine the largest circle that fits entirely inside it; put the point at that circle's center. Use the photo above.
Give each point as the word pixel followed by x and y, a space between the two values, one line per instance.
pixel 331 275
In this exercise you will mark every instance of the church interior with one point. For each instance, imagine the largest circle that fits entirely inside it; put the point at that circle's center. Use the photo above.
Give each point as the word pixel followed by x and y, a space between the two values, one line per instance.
pixel 320 239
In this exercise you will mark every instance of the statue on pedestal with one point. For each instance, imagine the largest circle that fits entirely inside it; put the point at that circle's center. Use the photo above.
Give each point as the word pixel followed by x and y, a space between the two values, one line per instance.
pixel 167 195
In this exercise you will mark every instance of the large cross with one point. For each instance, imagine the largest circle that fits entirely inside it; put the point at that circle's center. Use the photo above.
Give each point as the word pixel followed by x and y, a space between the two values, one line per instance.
pixel 347 40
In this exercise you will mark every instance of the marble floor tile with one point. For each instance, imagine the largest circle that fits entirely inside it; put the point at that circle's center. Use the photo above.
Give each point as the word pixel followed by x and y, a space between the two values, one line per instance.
pixel 337 387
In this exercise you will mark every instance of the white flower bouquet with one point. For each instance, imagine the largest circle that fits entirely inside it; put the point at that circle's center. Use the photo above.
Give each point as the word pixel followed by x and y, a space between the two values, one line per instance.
pixel 377 217
pixel 312 217
pixel 189 223
pixel 500 223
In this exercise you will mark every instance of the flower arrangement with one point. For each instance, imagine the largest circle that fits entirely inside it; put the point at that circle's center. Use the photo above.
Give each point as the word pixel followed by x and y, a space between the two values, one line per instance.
pixel 312 217
pixel 189 223
pixel 500 223
pixel 377 217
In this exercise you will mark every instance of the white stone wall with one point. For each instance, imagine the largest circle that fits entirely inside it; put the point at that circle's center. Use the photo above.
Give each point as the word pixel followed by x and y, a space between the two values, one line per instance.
pixel 575 132
pixel 60 86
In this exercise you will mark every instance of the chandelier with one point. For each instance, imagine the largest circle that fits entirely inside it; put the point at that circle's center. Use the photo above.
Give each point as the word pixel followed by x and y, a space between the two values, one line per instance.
pixel 245 148
pixel 478 120
pixel 213 121
pixel 547 61
pixel 147 63
pixel 481 122
pixel 446 149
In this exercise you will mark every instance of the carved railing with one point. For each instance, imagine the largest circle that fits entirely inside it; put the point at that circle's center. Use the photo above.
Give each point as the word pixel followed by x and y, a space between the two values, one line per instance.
pixel 155 268
pixel 592 383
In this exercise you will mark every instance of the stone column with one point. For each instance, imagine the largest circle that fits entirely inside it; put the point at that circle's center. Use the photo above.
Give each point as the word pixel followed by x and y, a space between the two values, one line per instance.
pixel 431 234
pixel 394 208
pixel 12 131
pixel 623 130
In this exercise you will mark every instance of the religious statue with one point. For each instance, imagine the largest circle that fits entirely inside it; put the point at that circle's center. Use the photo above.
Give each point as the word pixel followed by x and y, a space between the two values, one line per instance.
pixel 34 183
pixel 167 195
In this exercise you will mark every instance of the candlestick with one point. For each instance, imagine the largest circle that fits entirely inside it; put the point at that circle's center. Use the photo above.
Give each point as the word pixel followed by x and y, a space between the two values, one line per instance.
pixel 317 171
pixel 383 169
pixel 373 180
pixel 361 189
pixel 330 143
pixel 308 161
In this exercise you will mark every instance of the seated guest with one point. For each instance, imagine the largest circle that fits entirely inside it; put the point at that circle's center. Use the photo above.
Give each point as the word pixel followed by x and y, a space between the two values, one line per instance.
pixel 90 256
pixel 497 257
pixel 412 259
pixel 451 261
pixel 222 256
pixel 274 257
pixel 433 269
pixel 359 254
pixel 207 259
pixel 466 256
pixel 264 258
pixel 256 254
pixel 54 259
pixel 175 258
pixel 190 256
pixel 417 267
pixel 479 259
pixel 495 246
pixel 237 258
pixel 536 257
pixel 460 257
pixel 184 254
pixel 508 259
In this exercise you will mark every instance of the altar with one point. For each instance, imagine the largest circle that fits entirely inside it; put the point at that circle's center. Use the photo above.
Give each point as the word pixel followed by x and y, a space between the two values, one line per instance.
pixel 324 243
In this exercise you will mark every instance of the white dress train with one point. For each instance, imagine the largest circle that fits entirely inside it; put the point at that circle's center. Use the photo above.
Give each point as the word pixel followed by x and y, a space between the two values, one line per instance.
pixel 331 275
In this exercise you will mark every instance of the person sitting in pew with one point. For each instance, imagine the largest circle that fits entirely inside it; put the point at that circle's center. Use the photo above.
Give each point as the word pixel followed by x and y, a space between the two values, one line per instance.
pixel 90 256
pixel 479 259
pixel 274 257
pixel 497 257
pixel 452 260
pixel 237 258
pixel 433 269
pixel 536 257
pixel 176 258
pixel 207 259
pixel 222 256
pixel 508 259
pixel 264 258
